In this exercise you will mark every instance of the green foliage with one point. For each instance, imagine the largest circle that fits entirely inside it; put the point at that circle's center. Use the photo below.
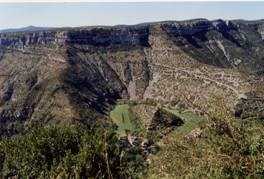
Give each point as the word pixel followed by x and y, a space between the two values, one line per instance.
pixel 227 148
pixel 66 152
pixel 124 118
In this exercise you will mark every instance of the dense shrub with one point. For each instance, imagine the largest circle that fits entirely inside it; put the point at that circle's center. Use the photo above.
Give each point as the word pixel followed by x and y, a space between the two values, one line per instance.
pixel 227 148
pixel 65 151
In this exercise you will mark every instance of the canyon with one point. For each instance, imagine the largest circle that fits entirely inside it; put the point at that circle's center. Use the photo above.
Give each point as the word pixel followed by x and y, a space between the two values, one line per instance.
pixel 74 75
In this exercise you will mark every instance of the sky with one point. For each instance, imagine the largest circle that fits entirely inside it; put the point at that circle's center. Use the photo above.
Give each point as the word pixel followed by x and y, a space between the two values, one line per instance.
pixel 15 15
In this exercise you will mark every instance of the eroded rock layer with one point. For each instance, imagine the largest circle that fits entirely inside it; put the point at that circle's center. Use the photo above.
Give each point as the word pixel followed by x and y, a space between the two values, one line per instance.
pixel 75 74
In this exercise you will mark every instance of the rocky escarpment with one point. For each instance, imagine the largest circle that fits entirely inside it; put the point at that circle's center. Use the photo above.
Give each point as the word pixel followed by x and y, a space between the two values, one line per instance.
pixel 95 36
pixel 192 27
pixel 74 75
pixel 21 40
pixel 235 44
pixel 57 76
pixel 105 37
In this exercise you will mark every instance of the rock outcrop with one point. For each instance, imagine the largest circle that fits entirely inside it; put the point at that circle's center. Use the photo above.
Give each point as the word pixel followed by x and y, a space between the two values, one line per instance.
pixel 163 120
pixel 74 74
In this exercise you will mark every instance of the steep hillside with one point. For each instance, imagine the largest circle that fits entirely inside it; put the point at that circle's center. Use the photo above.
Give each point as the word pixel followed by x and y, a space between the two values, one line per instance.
pixel 75 75
pixel 236 44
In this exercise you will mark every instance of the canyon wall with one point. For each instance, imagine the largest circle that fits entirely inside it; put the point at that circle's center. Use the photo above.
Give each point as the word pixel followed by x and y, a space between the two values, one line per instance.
pixel 77 74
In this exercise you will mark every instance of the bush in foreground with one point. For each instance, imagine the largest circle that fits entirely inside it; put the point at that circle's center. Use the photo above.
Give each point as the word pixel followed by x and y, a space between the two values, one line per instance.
pixel 64 152
pixel 228 148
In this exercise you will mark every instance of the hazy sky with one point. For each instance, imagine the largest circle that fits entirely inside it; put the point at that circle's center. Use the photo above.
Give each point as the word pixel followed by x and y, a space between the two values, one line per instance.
pixel 84 14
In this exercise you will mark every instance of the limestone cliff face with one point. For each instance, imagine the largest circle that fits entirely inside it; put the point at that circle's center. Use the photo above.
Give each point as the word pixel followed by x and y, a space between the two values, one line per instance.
pixel 69 75
pixel 192 27
pixel 110 36
pixel 94 36
pixel 234 44
pixel 74 75
pixel 21 40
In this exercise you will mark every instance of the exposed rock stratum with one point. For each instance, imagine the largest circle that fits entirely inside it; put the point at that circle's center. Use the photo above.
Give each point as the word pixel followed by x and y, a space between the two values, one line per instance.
pixel 75 74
